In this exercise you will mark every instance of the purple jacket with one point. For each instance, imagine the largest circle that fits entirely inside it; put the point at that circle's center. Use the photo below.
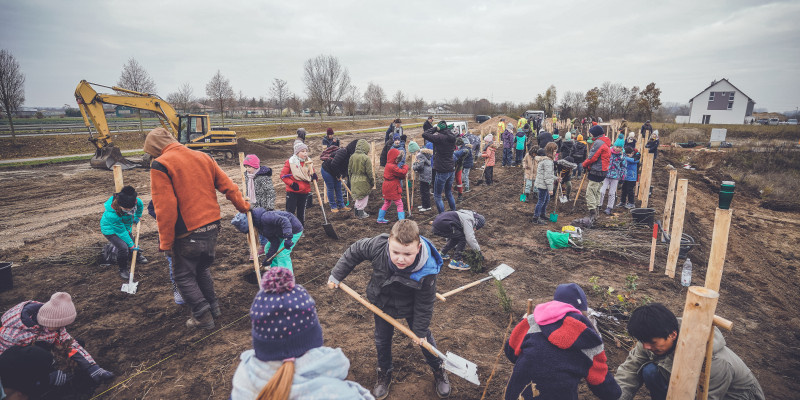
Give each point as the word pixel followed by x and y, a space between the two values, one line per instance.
pixel 508 139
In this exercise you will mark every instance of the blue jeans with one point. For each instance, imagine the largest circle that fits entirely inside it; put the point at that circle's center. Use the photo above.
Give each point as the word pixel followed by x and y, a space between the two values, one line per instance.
pixel 465 178
pixel 334 190
pixel 541 204
pixel 655 382
pixel 508 157
pixel 444 182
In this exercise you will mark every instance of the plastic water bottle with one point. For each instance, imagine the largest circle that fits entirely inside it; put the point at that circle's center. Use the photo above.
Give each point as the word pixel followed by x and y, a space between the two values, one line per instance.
pixel 686 273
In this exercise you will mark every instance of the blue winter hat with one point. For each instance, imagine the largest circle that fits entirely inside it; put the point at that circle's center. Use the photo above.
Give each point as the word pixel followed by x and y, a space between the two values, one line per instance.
pixel 596 131
pixel 239 222
pixel 572 294
pixel 619 143
pixel 284 318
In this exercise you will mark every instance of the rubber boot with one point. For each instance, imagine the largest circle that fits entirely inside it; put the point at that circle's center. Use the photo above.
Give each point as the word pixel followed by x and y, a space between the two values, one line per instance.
pixel 381 217
pixel 215 311
pixel 362 214
pixel 381 389
pixel 124 273
pixel 401 215
pixel 441 382
pixel 206 321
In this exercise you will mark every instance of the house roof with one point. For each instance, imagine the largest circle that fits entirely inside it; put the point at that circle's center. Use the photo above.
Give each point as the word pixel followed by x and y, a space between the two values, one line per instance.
pixel 716 82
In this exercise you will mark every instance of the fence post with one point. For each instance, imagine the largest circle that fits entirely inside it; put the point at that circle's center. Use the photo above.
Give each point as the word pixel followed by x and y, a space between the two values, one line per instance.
pixel 677 228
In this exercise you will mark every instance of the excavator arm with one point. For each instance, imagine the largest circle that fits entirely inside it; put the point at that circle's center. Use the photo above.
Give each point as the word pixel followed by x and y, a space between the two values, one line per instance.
pixel 91 103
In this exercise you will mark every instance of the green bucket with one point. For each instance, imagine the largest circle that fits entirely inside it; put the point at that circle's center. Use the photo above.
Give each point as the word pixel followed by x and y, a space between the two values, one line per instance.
pixel 725 199
pixel 728 186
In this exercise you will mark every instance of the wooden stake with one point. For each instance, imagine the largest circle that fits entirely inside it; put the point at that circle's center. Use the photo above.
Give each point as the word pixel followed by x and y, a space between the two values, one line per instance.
pixel 530 306
pixel 372 159
pixel 698 314
pixel 719 248
pixel 648 177
pixel 252 238
pixel 653 247
pixel 677 229
pixel 118 184
pixel 673 180
pixel 640 183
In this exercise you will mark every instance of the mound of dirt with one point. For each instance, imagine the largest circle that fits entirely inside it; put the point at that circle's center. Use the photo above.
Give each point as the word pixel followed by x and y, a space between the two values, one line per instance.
pixel 490 126
pixel 684 135
pixel 265 152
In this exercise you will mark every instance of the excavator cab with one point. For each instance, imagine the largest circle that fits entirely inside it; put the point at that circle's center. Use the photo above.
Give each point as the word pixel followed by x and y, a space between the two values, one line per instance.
pixel 195 132
pixel 192 128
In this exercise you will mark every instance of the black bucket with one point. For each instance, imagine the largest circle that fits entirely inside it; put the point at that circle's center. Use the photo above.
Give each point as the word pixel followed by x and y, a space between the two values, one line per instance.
pixel 643 216
pixel 687 242
pixel 6 279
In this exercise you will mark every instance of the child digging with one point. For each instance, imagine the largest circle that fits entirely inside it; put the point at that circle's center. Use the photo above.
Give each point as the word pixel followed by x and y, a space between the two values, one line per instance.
pixel 405 266
pixel 459 228
pixel 392 188
pixel 292 365
pixel 122 210
pixel 545 177
pixel 556 347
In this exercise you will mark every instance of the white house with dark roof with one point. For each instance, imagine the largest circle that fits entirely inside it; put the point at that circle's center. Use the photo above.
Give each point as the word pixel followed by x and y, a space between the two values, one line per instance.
pixel 720 103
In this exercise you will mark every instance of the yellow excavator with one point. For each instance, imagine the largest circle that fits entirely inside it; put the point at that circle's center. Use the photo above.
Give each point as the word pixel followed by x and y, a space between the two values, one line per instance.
pixel 192 130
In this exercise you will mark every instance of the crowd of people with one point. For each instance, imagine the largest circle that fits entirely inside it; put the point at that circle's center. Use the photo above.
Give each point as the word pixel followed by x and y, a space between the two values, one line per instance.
pixel 552 349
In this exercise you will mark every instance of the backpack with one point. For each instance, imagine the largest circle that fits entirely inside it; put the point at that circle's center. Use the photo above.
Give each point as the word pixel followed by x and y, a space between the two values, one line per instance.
pixel 327 154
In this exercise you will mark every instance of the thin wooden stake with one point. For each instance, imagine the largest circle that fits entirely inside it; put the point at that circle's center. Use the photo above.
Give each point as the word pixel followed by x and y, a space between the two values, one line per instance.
pixel 673 180
pixel 252 239
pixel 118 183
pixel 719 248
pixel 698 315
pixel 653 247
pixel 677 229
pixel 372 159
pixel 648 177
pixel 579 188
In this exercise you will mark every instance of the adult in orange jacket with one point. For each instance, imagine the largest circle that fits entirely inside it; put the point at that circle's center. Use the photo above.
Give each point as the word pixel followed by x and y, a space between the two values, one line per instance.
pixel 183 185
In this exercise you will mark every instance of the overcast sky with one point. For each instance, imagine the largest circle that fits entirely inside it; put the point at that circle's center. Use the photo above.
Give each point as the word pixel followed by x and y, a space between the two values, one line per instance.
pixel 509 50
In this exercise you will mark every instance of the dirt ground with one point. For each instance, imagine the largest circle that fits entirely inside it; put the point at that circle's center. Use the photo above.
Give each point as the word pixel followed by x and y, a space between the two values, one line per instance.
pixel 50 229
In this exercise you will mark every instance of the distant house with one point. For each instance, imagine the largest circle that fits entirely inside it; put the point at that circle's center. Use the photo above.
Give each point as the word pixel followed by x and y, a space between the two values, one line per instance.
pixel 720 103
pixel 26 112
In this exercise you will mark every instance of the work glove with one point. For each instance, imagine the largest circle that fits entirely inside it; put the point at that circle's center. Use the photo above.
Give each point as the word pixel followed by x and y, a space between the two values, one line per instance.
pixel 314 176
pixel 136 220
pixel 135 248
pixel 295 186
pixel 59 378
pixel 100 375
pixel 287 244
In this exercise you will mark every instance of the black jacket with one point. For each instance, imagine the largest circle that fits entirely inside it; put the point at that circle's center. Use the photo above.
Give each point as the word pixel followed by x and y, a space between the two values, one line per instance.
pixel 579 152
pixel 444 143
pixel 394 293
pixel 337 166
pixel 544 138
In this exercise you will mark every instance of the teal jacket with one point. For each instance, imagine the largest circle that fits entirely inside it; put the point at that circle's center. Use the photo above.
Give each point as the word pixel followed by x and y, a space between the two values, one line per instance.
pixel 113 224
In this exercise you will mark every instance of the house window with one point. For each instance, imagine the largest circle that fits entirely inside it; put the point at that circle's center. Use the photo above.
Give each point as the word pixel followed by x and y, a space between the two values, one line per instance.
pixel 731 98
pixel 711 96
pixel 730 105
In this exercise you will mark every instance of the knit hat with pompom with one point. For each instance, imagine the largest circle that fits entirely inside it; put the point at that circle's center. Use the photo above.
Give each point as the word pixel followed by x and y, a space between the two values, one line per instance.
pixel 284 318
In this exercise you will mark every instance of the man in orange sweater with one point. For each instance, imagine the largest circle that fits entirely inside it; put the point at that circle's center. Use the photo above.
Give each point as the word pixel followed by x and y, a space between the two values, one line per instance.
pixel 183 185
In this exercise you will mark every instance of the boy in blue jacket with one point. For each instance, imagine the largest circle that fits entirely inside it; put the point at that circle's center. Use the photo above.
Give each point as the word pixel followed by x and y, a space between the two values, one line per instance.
pixel 122 210
pixel 405 266
pixel 629 182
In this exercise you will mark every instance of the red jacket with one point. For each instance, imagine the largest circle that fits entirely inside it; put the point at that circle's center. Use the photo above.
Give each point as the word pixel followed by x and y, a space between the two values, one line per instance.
pixel 392 189
pixel 603 154
pixel 488 154
pixel 288 179
pixel 183 185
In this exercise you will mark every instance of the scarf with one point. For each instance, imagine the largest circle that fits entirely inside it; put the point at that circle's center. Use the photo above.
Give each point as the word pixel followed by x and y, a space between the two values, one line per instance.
pixel 251 186
pixel 300 172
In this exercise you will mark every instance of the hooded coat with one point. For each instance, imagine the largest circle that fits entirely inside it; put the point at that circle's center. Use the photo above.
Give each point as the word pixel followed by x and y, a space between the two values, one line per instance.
pixel 489 154
pixel 444 143
pixel 508 139
pixel 423 165
pixel 360 170
pixel 545 173
pixel 392 189
pixel 579 151
pixel 112 223
pixel 555 348
pixel 598 159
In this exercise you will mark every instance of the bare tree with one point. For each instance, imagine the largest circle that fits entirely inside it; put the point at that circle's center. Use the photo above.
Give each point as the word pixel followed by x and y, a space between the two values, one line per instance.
pixel 220 92
pixel 12 88
pixel 592 99
pixel 351 101
pixel 280 93
pixel 550 99
pixel 135 77
pixel 418 104
pixel 399 102
pixel 572 105
pixel 183 98
pixel 631 96
pixel 327 81
pixel 375 98
pixel 294 104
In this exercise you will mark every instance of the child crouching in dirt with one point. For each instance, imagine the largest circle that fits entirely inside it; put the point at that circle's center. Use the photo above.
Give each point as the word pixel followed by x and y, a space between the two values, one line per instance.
pixel 122 210
pixel 459 228
pixel 556 347
pixel 545 178
pixel 35 333
pixel 405 266
pixel 290 363
pixel 282 231
pixel 392 188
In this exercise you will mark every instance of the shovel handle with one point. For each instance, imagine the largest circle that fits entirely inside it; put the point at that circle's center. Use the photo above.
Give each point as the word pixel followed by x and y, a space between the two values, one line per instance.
pixel 387 318
pixel 530 306
pixel 467 286
pixel 135 252
pixel 321 204
pixel 440 297
pixel 347 188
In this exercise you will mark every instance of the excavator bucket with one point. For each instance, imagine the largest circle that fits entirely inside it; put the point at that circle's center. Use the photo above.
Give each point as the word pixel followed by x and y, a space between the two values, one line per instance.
pixel 108 156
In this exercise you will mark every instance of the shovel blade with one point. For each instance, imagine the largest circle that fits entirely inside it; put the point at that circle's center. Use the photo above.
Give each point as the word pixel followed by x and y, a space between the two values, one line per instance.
pixel 329 231
pixel 461 367
pixel 130 288
pixel 501 271
pixel 563 199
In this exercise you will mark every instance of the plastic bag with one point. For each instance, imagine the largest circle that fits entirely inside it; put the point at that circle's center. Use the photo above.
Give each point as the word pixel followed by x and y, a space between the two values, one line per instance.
pixel 558 240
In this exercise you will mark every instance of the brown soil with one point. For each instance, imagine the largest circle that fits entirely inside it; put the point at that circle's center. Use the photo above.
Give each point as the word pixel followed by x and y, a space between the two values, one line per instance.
pixel 50 230
pixel 490 125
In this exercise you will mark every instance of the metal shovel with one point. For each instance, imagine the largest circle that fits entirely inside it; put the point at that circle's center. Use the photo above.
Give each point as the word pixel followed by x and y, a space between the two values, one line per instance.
pixel 499 273
pixel 326 226
pixel 451 362
pixel 131 286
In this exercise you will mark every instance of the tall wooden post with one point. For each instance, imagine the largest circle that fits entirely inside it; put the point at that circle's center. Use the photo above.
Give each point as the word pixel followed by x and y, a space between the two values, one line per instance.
pixel 648 177
pixel 698 315
pixel 667 217
pixel 640 181
pixel 372 161
pixel 118 183
pixel 719 248
pixel 653 247
pixel 252 238
pixel 677 228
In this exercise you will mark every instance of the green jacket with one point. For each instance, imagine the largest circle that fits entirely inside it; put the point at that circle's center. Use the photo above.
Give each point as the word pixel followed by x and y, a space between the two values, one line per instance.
pixel 730 377
pixel 360 171
pixel 112 223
